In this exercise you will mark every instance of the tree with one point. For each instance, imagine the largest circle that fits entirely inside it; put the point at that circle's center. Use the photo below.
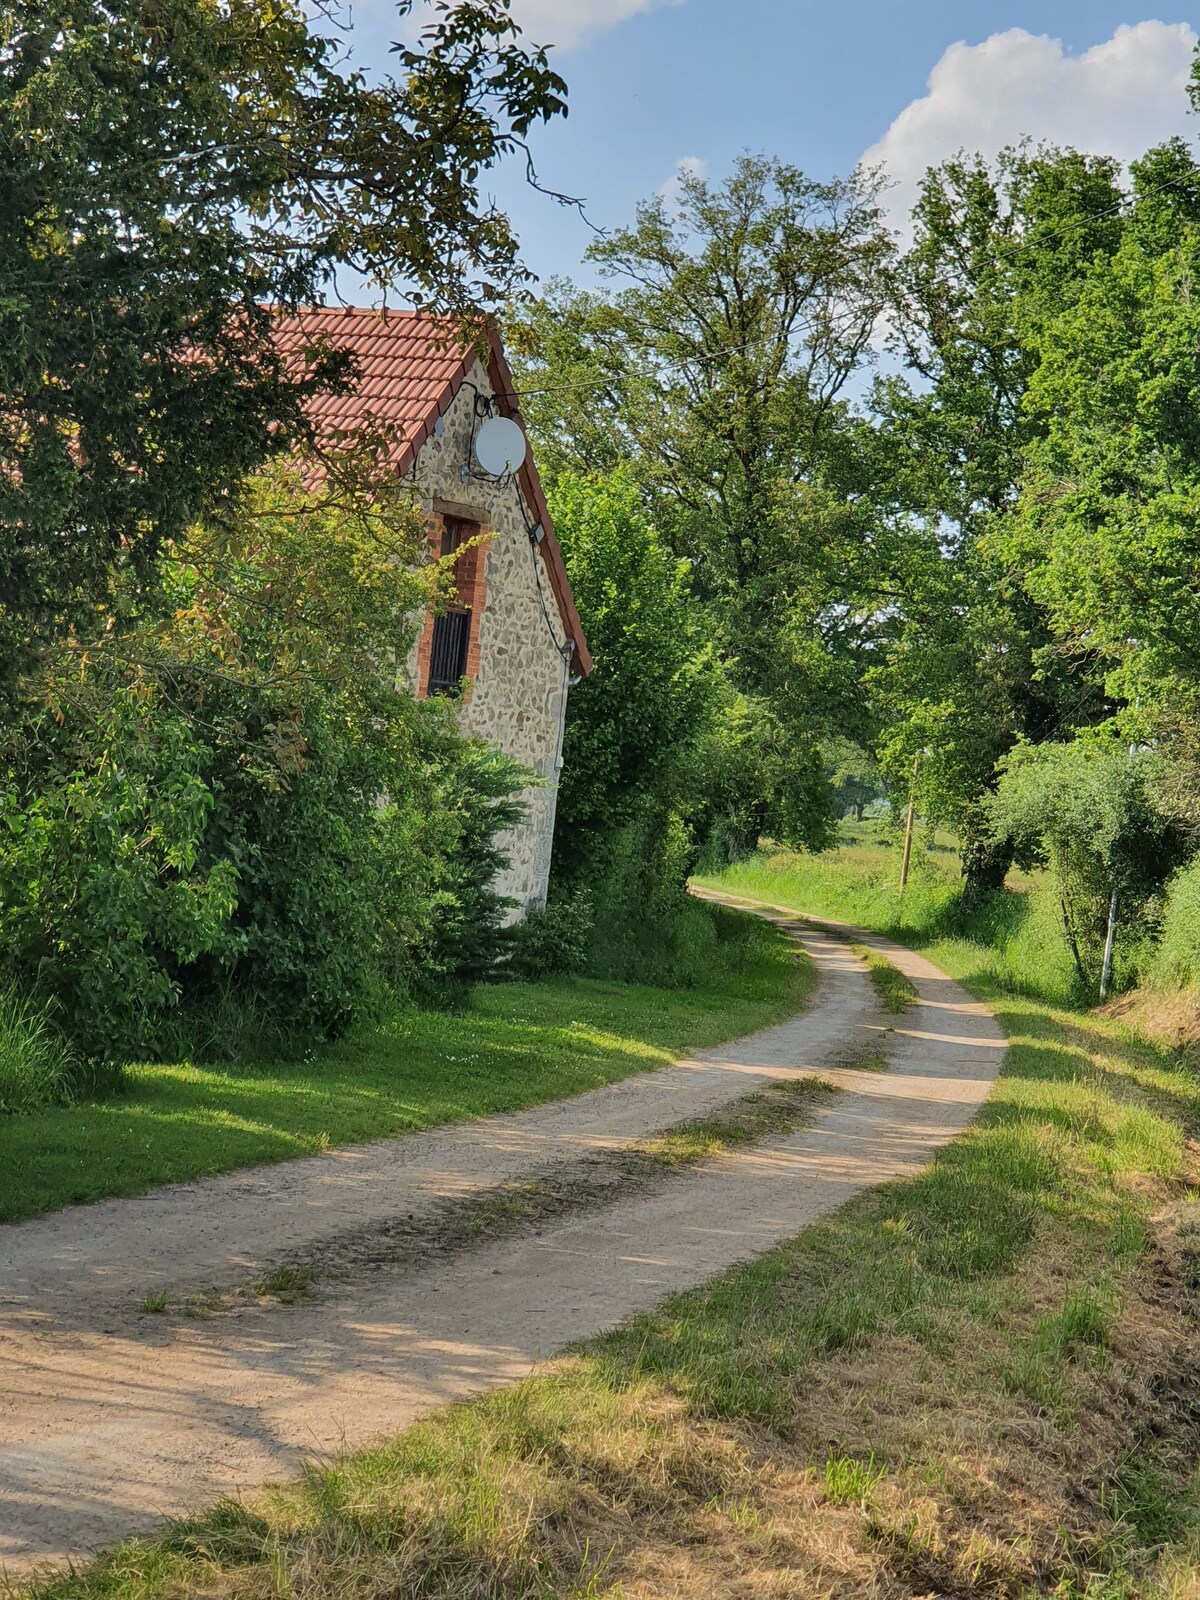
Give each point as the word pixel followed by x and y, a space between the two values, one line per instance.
pixel 1088 809
pixel 1107 525
pixel 998 253
pixel 716 367
pixel 855 777
pixel 751 780
pixel 169 171
pixel 630 723
pixel 623 848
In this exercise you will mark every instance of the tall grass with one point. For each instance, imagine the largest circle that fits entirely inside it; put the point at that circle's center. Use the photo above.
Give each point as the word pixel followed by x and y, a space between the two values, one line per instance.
pixel 36 1066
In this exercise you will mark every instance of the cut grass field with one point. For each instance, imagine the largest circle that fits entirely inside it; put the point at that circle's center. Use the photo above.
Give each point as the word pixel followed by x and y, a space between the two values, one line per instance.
pixel 511 1046
pixel 981 1382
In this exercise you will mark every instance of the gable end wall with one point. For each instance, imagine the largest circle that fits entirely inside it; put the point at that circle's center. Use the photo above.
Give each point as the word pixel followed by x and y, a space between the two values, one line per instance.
pixel 518 694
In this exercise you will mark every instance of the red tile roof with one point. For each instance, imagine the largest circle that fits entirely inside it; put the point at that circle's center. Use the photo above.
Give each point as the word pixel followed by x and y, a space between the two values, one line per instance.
pixel 409 367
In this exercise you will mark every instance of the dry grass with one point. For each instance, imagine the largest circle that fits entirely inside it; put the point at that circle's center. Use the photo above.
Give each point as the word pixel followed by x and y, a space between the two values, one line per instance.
pixel 904 1470
pixel 1171 1016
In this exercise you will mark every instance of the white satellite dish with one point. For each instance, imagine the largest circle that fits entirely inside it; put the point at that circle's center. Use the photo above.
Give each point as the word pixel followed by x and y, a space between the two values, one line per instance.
pixel 500 446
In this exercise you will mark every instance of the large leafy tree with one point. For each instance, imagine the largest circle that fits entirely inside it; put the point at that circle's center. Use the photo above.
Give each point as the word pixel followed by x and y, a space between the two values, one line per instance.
pixel 999 251
pixel 716 363
pixel 739 312
pixel 169 170
pixel 630 724
pixel 1107 530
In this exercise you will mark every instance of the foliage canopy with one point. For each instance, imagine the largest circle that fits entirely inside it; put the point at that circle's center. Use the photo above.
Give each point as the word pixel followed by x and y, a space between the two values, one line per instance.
pixel 170 171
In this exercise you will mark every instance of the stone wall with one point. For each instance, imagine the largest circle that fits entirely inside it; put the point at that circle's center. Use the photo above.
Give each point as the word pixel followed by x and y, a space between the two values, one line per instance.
pixel 518 694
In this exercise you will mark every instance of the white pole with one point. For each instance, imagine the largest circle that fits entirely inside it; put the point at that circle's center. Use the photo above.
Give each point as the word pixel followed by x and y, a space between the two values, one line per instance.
pixel 1106 968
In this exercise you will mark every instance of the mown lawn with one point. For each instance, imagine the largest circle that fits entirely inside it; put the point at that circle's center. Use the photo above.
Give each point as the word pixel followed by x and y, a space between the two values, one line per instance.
pixel 984 1382
pixel 513 1045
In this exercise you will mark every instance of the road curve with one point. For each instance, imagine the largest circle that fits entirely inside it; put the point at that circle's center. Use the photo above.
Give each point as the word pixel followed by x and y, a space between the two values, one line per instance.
pixel 110 1419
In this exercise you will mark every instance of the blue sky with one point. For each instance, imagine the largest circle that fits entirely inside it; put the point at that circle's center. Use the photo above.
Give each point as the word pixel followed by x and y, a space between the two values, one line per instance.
pixel 821 84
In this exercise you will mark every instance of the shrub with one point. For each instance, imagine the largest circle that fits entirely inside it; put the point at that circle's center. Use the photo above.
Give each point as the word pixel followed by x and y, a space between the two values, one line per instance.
pixel 1089 809
pixel 36 1068
pixel 1177 960
pixel 554 939
pixel 647 928
pixel 476 800
pixel 235 807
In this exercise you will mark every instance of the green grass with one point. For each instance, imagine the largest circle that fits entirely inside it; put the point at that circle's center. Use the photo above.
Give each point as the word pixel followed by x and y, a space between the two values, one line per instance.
pixel 1012 940
pixel 849 1481
pixel 513 1045
pixel 896 992
pixel 36 1068
pixel 976 1381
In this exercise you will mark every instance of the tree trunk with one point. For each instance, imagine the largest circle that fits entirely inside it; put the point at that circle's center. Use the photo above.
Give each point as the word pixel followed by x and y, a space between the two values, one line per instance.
pixel 1072 941
pixel 985 865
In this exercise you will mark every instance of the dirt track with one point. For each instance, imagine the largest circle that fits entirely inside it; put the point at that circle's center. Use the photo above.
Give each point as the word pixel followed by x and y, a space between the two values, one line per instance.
pixel 110 1418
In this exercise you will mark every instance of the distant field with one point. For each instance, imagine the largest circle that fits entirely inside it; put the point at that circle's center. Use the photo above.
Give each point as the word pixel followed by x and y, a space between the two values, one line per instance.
pixel 1014 934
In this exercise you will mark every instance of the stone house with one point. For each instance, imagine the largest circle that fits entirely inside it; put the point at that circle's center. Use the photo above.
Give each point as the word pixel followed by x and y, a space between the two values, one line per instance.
pixel 512 630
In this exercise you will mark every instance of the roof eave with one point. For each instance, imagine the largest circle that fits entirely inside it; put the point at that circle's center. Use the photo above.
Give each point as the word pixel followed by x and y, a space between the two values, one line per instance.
pixel 531 484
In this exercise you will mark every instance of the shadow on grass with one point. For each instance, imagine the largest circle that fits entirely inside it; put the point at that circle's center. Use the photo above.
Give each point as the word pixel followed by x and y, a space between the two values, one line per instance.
pixel 513 1046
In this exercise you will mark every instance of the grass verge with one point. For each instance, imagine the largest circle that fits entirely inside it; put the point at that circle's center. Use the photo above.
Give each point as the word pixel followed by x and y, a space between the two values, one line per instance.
pixel 1016 933
pixel 981 1382
pixel 896 992
pixel 513 1045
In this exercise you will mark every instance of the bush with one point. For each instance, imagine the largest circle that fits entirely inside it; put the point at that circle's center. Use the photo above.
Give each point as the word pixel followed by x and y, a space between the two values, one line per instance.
pixel 554 939
pixel 234 809
pixel 1090 810
pixel 36 1068
pixel 1176 963
pixel 476 801
pixel 647 928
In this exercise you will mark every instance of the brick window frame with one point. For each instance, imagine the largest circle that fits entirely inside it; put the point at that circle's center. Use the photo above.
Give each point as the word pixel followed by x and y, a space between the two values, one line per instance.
pixel 448 533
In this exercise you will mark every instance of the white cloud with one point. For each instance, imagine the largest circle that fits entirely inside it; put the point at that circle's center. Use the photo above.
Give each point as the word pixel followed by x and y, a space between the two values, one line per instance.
pixel 544 22
pixel 566 22
pixel 686 166
pixel 1117 99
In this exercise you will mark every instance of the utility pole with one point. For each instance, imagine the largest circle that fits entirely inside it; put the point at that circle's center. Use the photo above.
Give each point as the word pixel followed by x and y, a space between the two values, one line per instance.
pixel 908 826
